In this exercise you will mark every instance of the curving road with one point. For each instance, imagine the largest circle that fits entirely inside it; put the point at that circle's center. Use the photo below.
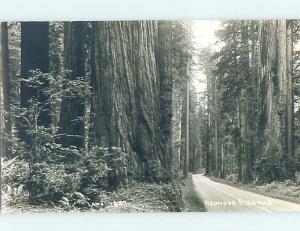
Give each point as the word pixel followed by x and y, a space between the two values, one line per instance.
pixel 218 197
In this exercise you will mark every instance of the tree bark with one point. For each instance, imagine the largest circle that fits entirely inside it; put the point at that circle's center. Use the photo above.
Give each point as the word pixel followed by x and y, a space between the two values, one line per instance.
pixel 247 105
pixel 164 63
pixel 73 108
pixel 277 107
pixel 290 93
pixel 6 88
pixel 4 100
pixel 1 113
pixel 126 110
pixel 34 55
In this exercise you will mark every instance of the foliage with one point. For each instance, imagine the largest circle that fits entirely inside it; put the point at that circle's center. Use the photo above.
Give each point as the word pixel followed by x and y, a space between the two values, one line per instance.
pixel 285 188
pixel 182 53
pixel 74 200
pixel 51 181
pixel 14 170
pixel 14 173
pixel 96 171
pixel 239 124
pixel 105 168
pixel 137 197
pixel 72 176
pixel 232 178
pixel 269 170
pixel 52 169
pixel 117 161
pixel 64 174
pixel 173 197
pixel 54 172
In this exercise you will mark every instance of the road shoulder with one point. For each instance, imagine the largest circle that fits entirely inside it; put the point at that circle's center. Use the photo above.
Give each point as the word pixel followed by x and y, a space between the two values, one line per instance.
pixel 254 189
pixel 192 202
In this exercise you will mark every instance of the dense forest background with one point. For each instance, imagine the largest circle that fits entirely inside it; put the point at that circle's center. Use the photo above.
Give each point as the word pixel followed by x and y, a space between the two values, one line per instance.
pixel 253 128
pixel 91 110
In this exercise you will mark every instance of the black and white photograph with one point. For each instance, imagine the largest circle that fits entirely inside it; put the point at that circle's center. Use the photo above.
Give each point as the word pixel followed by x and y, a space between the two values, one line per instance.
pixel 138 116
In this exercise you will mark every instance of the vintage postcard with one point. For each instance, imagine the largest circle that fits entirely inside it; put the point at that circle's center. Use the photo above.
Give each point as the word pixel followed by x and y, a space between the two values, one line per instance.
pixel 150 116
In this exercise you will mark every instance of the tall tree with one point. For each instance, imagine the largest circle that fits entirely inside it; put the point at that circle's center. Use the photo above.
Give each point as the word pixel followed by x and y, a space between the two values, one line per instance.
pixel 5 125
pixel 164 63
pixel 6 86
pixel 290 90
pixel 14 43
pixel 277 108
pixel 56 66
pixel 254 78
pixel 34 55
pixel 73 113
pixel 181 54
pixel 126 91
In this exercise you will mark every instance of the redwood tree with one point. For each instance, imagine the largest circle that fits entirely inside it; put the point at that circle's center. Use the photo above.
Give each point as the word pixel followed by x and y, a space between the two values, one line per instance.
pixel 34 55
pixel 128 99
pixel 73 107
pixel 6 86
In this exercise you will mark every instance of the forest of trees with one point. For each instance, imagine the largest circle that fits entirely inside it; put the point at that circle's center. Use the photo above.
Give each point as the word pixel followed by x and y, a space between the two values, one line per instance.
pixel 251 97
pixel 88 107
pixel 92 106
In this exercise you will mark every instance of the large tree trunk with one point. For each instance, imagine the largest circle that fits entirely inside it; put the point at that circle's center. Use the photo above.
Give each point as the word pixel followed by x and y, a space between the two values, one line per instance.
pixel 164 62
pixel 247 105
pixel 5 125
pixel 73 108
pixel 290 93
pixel 34 55
pixel 6 132
pixel 177 106
pixel 208 155
pixel 187 157
pixel 125 95
pixel 214 124
pixel 2 74
pixel 14 43
pixel 56 68
pixel 210 166
pixel 277 107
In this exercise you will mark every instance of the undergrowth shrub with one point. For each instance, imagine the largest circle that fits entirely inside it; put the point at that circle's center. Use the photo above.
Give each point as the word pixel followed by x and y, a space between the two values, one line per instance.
pixel 269 170
pixel 14 173
pixel 67 175
pixel 75 179
pixel 117 161
pixel 232 178
pixel 285 188
pixel 48 171
pixel 74 200
pixel 57 173
pixel 50 181
pixel 95 172
pixel 173 196
pixel 105 169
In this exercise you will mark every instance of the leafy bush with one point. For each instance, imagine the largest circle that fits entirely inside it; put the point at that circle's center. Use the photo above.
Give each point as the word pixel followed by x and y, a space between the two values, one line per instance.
pixel 233 178
pixel 173 196
pixel 285 188
pixel 95 169
pixel 105 168
pixel 62 174
pixel 48 170
pixel 269 170
pixel 117 161
pixel 14 171
pixel 74 200
pixel 50 181
pixel 14 174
